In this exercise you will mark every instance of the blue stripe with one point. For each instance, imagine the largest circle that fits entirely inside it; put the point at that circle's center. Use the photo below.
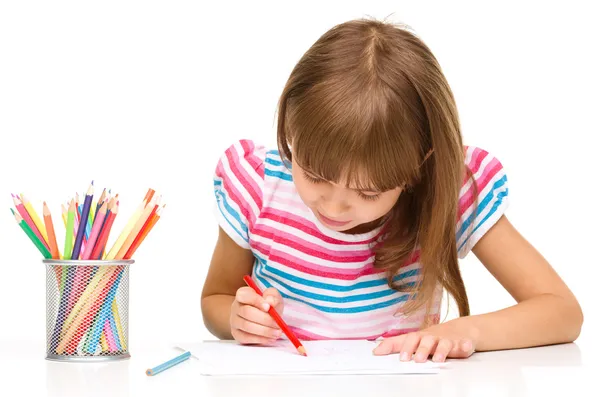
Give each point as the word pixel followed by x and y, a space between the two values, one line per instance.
pixel 334 299
pixel 359 309
pixel 218 183
pixel 278 174
pixel 244 232
pixel 338 288
pixel 273 162
pixel 501 195
pixel 499 183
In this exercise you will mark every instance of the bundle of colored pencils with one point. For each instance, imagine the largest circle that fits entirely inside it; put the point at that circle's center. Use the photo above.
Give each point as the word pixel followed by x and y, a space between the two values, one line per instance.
pixel 87 320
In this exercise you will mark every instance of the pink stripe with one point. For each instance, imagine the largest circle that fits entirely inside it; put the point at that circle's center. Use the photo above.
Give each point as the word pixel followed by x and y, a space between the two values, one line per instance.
pixel 476 158
pixel 310 248
pixel 393 324
pixel 255 162
pixel 307 227
pixel 236 196
pixel 322 271
pixel 290 203
pixel 490 171
pixel 286 188
pixel 242 175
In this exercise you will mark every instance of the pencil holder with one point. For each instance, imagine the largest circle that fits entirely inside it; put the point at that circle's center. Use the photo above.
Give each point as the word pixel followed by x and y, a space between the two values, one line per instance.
pixel 87 310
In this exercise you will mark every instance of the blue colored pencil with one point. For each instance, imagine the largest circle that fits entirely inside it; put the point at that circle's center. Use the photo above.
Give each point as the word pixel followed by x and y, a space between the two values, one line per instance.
pixel 158 369
pixel 85 212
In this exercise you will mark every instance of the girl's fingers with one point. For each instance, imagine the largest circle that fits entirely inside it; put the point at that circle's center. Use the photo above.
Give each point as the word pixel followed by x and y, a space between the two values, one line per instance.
pixel 390 345
pixel 410 345
pixel 255 315
pixel 444 347
pixel 249 327
pixel 426 347
pixel 273 298
pixel 246 338
pixel 247 296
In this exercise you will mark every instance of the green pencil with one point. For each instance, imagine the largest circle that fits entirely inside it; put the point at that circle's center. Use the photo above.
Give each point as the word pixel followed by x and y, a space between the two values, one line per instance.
pixel 32 235
pixel 69 236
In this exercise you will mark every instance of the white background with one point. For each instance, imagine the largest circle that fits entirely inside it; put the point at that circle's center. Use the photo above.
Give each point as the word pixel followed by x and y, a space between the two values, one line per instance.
pixel 149 94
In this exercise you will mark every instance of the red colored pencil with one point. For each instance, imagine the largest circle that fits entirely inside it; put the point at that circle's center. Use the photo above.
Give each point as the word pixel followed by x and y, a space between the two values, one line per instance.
pixel 105 232
pixel 284 327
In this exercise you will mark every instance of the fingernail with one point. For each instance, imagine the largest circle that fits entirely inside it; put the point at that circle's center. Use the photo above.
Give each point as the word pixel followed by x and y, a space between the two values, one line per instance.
pixel 270 300
pixel 404 356
pixel 265 306
pixel 438 358
pixel 277 334
pixel 420 357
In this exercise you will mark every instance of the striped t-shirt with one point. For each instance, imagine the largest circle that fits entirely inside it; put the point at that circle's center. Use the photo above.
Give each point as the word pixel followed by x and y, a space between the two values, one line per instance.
pixel 331 289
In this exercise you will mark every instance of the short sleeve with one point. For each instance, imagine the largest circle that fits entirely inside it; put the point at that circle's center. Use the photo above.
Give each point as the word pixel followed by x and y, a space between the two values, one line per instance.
pixel 477 213
pixel 238 185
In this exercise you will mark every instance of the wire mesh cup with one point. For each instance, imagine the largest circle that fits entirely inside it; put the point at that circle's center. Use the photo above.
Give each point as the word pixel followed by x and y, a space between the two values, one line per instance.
pixel 87 310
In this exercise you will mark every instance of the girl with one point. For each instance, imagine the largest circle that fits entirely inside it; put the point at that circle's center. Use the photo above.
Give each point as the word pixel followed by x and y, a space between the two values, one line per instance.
pixel 355 225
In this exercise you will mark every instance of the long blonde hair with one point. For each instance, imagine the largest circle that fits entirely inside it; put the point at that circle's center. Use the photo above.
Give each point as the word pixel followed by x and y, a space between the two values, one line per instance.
pixel 371 96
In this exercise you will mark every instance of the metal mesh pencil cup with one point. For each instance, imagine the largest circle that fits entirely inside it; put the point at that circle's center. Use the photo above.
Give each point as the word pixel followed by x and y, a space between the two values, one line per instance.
pixel 87 310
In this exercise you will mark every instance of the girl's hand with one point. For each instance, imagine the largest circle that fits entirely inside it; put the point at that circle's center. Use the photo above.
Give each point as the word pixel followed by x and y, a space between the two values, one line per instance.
pixel 439 341
pixel 249 321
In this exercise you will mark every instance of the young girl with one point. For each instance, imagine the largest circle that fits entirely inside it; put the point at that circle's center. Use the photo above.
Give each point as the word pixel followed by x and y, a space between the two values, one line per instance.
pixel 354 226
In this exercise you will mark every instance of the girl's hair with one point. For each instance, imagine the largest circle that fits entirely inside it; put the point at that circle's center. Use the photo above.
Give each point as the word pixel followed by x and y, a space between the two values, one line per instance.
pixel 365 106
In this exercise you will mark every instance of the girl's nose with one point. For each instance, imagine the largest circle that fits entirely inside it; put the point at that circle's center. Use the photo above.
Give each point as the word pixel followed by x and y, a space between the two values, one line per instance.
pixel 334 202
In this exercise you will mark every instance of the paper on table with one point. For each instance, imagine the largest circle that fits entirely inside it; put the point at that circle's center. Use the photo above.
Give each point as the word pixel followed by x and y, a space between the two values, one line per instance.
pixel 324 357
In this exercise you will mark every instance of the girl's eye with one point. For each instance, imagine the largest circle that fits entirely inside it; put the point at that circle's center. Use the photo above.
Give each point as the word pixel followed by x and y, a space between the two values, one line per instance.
pixel 367 197
pixel 312 179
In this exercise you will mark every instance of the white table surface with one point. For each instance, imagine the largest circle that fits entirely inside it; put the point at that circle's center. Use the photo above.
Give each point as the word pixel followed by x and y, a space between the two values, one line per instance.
pixel 544 371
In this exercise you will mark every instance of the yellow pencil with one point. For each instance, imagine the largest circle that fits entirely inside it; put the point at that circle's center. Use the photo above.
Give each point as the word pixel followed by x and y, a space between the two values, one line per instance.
pixel 112 254
pixel 103 342
pixel 64 214
pixel 34 216
pixel 117 318
pixel 136 229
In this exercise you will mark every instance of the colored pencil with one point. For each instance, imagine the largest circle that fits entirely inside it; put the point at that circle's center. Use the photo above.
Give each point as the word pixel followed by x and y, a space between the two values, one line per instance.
pixel 284 327
pixel 145 230
pixel 69 234
pixel 112 254
pixel 141 221
pixel 25 215
pixel 101 241
pixel 34 239
pixel 98 222
pixel 64 213
pixel 50 232
pixel 160 368
pixel 83 221
pixel 34 216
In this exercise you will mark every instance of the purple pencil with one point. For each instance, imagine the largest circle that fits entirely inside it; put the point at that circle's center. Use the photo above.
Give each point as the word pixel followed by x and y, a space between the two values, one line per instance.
pixel 83 221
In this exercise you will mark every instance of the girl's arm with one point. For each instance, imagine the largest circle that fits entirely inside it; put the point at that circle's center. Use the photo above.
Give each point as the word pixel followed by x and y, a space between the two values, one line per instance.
pixel 229 264
pixel 546 312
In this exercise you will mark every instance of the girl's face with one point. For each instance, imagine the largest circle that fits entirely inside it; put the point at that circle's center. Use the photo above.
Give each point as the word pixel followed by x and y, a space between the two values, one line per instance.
pixel 338 207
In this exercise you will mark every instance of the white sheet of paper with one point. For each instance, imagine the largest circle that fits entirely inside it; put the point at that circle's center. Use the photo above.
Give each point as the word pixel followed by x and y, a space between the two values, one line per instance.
pixel 323 357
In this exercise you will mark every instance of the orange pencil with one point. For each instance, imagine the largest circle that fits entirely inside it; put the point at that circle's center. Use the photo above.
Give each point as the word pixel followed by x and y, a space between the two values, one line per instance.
pixel 284 327
pixel 51 235
pixel 152 219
